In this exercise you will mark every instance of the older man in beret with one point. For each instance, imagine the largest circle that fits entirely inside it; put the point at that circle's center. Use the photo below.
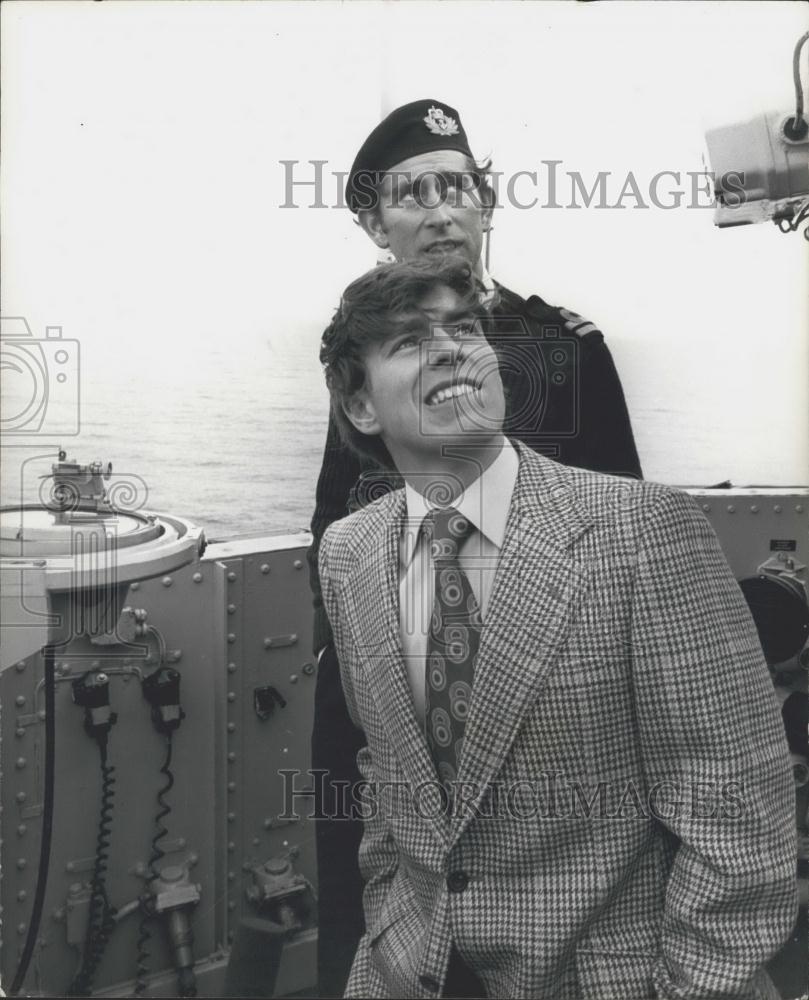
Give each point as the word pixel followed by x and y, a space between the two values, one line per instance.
pixel 418 192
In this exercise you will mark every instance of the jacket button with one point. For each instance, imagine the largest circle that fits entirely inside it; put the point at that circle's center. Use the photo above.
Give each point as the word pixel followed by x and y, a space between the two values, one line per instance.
pixel 430 984
pixel 457 881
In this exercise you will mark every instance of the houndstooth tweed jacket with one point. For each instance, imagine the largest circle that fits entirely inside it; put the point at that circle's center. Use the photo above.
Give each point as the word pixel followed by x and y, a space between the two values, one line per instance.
pixel 625 822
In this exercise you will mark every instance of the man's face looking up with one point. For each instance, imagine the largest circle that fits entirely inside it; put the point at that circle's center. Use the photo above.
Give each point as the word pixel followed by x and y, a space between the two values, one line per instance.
pixel 429 209
pixel 433 382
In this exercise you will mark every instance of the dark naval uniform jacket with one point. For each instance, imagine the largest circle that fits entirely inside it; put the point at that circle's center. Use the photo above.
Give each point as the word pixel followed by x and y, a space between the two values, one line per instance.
pixel 563 399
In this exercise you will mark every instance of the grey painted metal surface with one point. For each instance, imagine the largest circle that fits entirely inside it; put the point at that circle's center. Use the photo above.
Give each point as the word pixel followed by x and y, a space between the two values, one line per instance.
pixel 218 621
pixel 237 627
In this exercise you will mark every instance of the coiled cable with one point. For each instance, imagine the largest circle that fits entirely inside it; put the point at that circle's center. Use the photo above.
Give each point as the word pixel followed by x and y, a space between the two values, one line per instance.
pixel 101 921
pixel 155 856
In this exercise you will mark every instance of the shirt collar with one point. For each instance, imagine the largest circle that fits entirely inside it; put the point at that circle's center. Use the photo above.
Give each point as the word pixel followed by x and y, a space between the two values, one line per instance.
pixel 488 285
pixel 485 503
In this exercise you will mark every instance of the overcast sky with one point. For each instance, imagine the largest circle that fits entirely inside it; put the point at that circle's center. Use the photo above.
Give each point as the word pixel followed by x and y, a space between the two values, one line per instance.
pixel 142 183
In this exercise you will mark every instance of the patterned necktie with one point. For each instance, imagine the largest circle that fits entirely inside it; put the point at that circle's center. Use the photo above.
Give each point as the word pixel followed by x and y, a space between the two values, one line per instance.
pixel 452 644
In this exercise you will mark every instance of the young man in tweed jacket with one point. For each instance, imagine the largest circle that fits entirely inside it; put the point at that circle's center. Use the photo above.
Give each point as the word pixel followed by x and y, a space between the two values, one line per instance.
pixel 620 820
pixel 418 192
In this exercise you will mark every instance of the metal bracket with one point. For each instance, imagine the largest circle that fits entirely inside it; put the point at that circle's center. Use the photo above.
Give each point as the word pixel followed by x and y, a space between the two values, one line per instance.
pixel 265 699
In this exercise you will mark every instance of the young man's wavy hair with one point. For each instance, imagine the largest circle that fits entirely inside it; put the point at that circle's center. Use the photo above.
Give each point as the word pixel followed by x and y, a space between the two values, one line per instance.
pixel 372 309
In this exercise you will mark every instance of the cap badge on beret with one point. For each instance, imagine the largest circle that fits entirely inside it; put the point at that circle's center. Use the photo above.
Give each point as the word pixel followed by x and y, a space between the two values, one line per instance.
pixel 439 123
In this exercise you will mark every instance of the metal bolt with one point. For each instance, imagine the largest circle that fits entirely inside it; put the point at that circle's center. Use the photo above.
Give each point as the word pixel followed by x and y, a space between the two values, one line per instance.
pixel 69 867
pixel 231 876
pixel 20 666
pixel 166 581
pixel 731 509
pixel 22 829
pixel 193 858
pixel 19 700
pixel 231 609
pixel 265 569
pixel 777 508
pixel 19 732
pixel 256 842
pixel 798 508
pixel 231 576
pixel 181 842
pixel 231 786
pixel 706 507
pixel 41 714
pixel 230 937
pixel 20 763
pixel 308 668
pixel 21 796
pixel 267 643
pixel 754 508
pixel 21 863
pixel 135 586
pixel 245 866
pixel 231 817
pixel 197 578
pixel 294 851
pixel 231 905
pixel 298 564
pixel 231 637
pixel 231 757
pixel 293 678
pixel 285 750
pixel 231 668
pixel 140 868
pixel 22 895
pixel 231 727
pixel 231 846
pixel 231 696
pixel 21 928
pixel 58 914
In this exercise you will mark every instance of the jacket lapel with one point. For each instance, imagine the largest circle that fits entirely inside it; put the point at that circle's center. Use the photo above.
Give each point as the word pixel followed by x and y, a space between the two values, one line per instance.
pixel 537 588
pixel 372 591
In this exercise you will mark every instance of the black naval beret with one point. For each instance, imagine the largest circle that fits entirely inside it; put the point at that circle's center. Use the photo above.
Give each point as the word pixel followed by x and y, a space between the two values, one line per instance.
pixel 418 127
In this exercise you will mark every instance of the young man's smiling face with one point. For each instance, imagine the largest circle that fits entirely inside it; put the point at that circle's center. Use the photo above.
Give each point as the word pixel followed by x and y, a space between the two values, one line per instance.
pixel 432 383
pixel 429 210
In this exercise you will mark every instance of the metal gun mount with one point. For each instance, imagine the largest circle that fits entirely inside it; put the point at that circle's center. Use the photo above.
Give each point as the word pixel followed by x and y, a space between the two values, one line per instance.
pixel 78 488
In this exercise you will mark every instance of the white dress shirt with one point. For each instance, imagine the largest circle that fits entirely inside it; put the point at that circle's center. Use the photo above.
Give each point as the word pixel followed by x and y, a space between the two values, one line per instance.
pixel 485 504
